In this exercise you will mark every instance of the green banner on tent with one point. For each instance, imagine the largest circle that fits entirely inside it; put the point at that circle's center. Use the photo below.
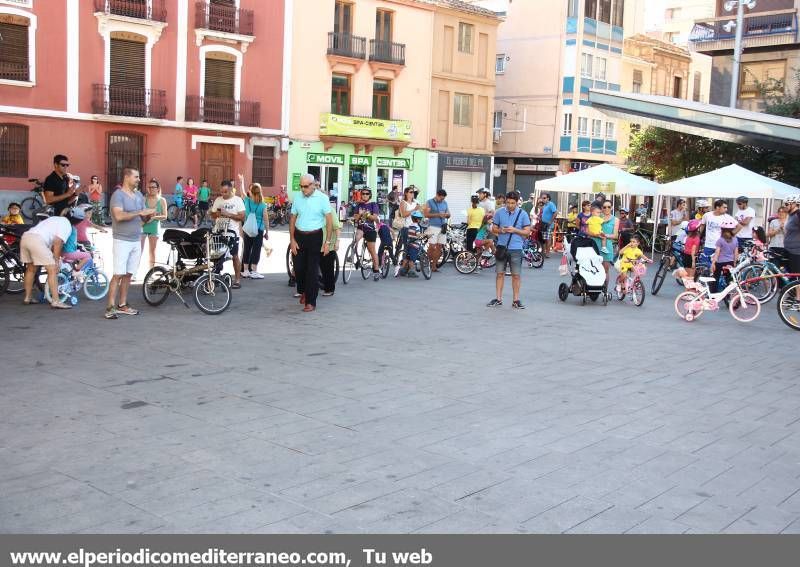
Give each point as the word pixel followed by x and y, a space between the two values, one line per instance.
pixel 604 187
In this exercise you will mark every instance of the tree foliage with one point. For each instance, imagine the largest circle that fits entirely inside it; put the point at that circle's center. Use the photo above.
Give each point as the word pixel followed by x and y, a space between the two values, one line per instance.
pixel 668 155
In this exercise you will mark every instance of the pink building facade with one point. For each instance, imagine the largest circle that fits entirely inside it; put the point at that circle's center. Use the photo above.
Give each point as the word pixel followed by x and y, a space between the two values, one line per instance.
pixel 173 87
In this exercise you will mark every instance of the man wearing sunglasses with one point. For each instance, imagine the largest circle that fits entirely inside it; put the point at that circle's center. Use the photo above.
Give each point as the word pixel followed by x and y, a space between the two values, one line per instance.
pixel 311 211
pixel 59 189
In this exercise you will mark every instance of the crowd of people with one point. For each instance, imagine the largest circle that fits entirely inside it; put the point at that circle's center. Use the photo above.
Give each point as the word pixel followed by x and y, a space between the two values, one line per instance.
pixel 496 226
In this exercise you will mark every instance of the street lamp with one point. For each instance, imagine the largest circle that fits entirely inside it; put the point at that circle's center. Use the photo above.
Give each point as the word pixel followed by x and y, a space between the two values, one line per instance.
pixel 737 47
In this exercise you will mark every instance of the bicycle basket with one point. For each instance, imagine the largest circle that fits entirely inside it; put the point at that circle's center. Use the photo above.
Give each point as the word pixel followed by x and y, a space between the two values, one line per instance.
pixel 640 269
pixel 218 244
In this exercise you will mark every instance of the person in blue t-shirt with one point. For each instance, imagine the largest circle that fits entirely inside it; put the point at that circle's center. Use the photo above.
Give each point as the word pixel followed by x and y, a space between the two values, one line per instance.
pixel 512 225
pixel 178 195
pixel 546 228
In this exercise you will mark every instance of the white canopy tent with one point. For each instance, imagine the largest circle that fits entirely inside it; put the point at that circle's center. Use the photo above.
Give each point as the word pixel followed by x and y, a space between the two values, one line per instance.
pixel 728 183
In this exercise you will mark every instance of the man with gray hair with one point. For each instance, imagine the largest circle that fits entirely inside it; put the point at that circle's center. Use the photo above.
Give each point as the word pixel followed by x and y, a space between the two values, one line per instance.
pixel 311 212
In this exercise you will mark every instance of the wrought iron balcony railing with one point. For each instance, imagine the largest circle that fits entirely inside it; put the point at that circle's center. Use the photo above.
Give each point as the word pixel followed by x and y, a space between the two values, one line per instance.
pixel 216 110
pixel 128 101
pixel 14 71
pixel 387 52
pixel 755 26
pixel 154 10
pixel 223 18
pixel 347 45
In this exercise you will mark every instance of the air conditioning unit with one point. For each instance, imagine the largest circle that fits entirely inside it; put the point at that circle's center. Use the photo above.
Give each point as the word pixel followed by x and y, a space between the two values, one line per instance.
pixel 496 135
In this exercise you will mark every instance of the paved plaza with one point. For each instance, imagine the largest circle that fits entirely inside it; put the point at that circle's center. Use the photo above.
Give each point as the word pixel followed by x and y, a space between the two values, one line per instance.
pixel 399 406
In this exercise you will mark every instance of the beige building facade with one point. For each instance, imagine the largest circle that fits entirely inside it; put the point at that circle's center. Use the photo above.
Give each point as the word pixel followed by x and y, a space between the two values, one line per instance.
pixel 670 71
pixel 679 19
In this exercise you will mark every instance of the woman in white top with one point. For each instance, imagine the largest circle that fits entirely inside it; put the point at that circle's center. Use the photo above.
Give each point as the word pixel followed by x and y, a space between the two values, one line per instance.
pixel 408 205
pixel 775 233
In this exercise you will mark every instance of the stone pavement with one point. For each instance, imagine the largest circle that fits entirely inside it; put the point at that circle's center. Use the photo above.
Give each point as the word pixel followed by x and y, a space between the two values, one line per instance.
pixel 399 406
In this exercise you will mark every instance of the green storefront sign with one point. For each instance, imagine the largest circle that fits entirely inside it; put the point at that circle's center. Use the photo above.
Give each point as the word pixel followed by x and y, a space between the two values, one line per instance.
pixel 361 160
pixel 325 159
pixel 393 163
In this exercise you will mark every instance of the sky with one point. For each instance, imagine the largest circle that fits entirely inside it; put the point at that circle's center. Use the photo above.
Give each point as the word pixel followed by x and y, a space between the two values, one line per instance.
pixel 654 13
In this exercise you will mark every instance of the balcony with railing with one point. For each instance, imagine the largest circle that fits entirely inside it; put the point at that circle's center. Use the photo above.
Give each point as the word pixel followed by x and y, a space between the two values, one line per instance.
pixel 764 29
pixel 216 110
pixel 150 10
pixel 223 18
pixel 347 45
pixel 387 52
pixel 129 101
pixel 12 71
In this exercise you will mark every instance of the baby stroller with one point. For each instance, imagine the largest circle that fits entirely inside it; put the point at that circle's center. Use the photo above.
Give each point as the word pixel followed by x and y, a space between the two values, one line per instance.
pixel 190 250
pixel 583 262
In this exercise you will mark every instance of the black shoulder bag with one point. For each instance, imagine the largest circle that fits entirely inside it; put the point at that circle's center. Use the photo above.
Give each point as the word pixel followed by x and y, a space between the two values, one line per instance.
pixel 501 252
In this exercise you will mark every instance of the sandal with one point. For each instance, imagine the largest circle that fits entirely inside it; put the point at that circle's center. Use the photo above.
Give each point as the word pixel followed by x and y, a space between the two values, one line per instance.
pixel 236 285
pixel 59 305
pixel 29 302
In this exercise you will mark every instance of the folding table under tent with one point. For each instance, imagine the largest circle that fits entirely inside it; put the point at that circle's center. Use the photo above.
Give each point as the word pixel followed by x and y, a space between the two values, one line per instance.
pixel 728 183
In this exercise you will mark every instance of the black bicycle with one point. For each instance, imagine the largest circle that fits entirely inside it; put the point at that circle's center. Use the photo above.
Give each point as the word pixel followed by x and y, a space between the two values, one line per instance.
pixel 668 263
pixel 31 205
pixel 12 279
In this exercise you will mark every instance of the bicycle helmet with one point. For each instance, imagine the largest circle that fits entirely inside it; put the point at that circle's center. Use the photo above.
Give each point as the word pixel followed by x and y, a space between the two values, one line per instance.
pixel 742 199
pixel 728 224
pixel 791 200
pixel 693 225
pixel 702 204
pixel 417 215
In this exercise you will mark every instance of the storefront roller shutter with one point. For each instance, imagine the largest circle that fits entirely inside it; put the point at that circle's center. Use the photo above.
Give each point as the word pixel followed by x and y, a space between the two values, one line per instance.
pixel 220 78
pixel 127 63
pixel 13 52
pixel 458 185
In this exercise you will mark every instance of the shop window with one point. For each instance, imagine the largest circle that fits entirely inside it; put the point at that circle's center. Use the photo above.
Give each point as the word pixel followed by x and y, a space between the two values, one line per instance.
pixel 263 165
pixel 13 150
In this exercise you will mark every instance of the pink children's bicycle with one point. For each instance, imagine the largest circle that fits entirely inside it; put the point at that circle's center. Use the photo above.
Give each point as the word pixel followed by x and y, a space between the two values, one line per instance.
pixel 634 286
pixel 742 306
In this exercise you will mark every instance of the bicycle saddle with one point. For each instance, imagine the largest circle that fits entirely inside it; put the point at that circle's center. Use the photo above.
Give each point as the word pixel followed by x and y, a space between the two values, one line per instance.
pixel 706 279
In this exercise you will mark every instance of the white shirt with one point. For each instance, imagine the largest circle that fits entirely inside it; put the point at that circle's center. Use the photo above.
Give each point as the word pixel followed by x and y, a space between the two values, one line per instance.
pixel 676 216
pixel 746 231
pixel 713 224
pixel 408 208
pixel 487 205
pixel 231 206
pixel 51 228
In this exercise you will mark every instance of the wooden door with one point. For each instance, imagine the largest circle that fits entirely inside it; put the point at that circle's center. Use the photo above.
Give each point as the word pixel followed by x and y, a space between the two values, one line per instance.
pixel 216 165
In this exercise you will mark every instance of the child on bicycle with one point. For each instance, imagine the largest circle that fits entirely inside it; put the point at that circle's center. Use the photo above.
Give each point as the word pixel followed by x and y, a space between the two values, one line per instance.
pixel 628 255
pixel 415 232
pixel 14 215
pixel 726 251
pixel 691 248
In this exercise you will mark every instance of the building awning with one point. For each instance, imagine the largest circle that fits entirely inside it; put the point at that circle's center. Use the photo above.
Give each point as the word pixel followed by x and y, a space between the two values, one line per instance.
pixel 711 121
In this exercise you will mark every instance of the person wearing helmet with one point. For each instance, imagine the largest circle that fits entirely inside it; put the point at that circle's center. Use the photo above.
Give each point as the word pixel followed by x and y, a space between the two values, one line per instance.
pixel 415 231
pixel 726 251
pixel 691 247
pixel 745 218
pixel 42 246
pixel 711 225
pixel 366 215
pixel 702 208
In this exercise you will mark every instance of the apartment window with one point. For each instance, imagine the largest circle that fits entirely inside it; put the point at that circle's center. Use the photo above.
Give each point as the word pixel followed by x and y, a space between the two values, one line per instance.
pixel 566 126
pixel 220 81
pixel 13 150
pixel 14 64
pixel 263 165
pixel 124 149
pixel 604 14
pixel 590 9
pixel 677 87
pixel 618 17
pixel 597 128
pixel 498 120
pixel 698 86
pixel 343 18
pixel 586 65
pixel 465 33
pixel 383 25
pixel 610 130
pixel 583 126
pixel 637 82
pixel 126 89
pixel 381 99
pixel 767 75
pixel 340 94
pixel 572 8
pixel 462 110
pixel 500 64
pixel 600 64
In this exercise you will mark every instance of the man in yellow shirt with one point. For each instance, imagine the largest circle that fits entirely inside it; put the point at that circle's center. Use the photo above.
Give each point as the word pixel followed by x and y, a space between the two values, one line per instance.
pixel 475 216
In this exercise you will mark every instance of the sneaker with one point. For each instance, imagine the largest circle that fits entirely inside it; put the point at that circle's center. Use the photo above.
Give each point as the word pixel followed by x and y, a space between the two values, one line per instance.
pixel 518 305
pixel 111 313
pixel 256 276
pixel 376 276
pixel 495 303
pixel 618 289
pixel 126 310
pixel 245 274
pixel 397 271
pixel 413 275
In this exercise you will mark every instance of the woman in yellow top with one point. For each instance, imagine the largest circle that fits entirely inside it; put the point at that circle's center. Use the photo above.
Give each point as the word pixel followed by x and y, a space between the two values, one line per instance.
pixel 474 222
pixel 628 255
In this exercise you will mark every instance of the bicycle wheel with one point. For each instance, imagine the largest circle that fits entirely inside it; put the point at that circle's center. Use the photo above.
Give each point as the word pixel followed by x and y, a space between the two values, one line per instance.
pixel 537 259
pixel 211 294
pixel 289 262
pixel 386 262
pixel 335 266
pixel 349 263
pixel 661 275
pixel 685 305
pixel 764 289
pixel 172 212
pixel 662 244
pixel 182 217
pixel 366 264
pixel 789 305
pixel 444 257
pixel 95 286
pixel 425 264
pixel 4 278
pixel 62 283
pixel 156 286
pixel 15 275
pixel 745 307
pixel 29 207
pixel 637 292
pixel 466 262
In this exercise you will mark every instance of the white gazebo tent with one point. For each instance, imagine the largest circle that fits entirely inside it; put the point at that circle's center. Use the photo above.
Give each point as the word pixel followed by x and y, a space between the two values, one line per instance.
pixel 728 183
pixel 604 178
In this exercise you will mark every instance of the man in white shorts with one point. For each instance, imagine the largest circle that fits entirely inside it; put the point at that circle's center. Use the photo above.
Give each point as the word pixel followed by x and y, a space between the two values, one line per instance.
pixel 437 213
pixel 128 213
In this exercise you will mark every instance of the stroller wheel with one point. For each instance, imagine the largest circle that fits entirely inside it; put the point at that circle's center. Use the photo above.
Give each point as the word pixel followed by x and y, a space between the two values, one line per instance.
pixel 563 292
